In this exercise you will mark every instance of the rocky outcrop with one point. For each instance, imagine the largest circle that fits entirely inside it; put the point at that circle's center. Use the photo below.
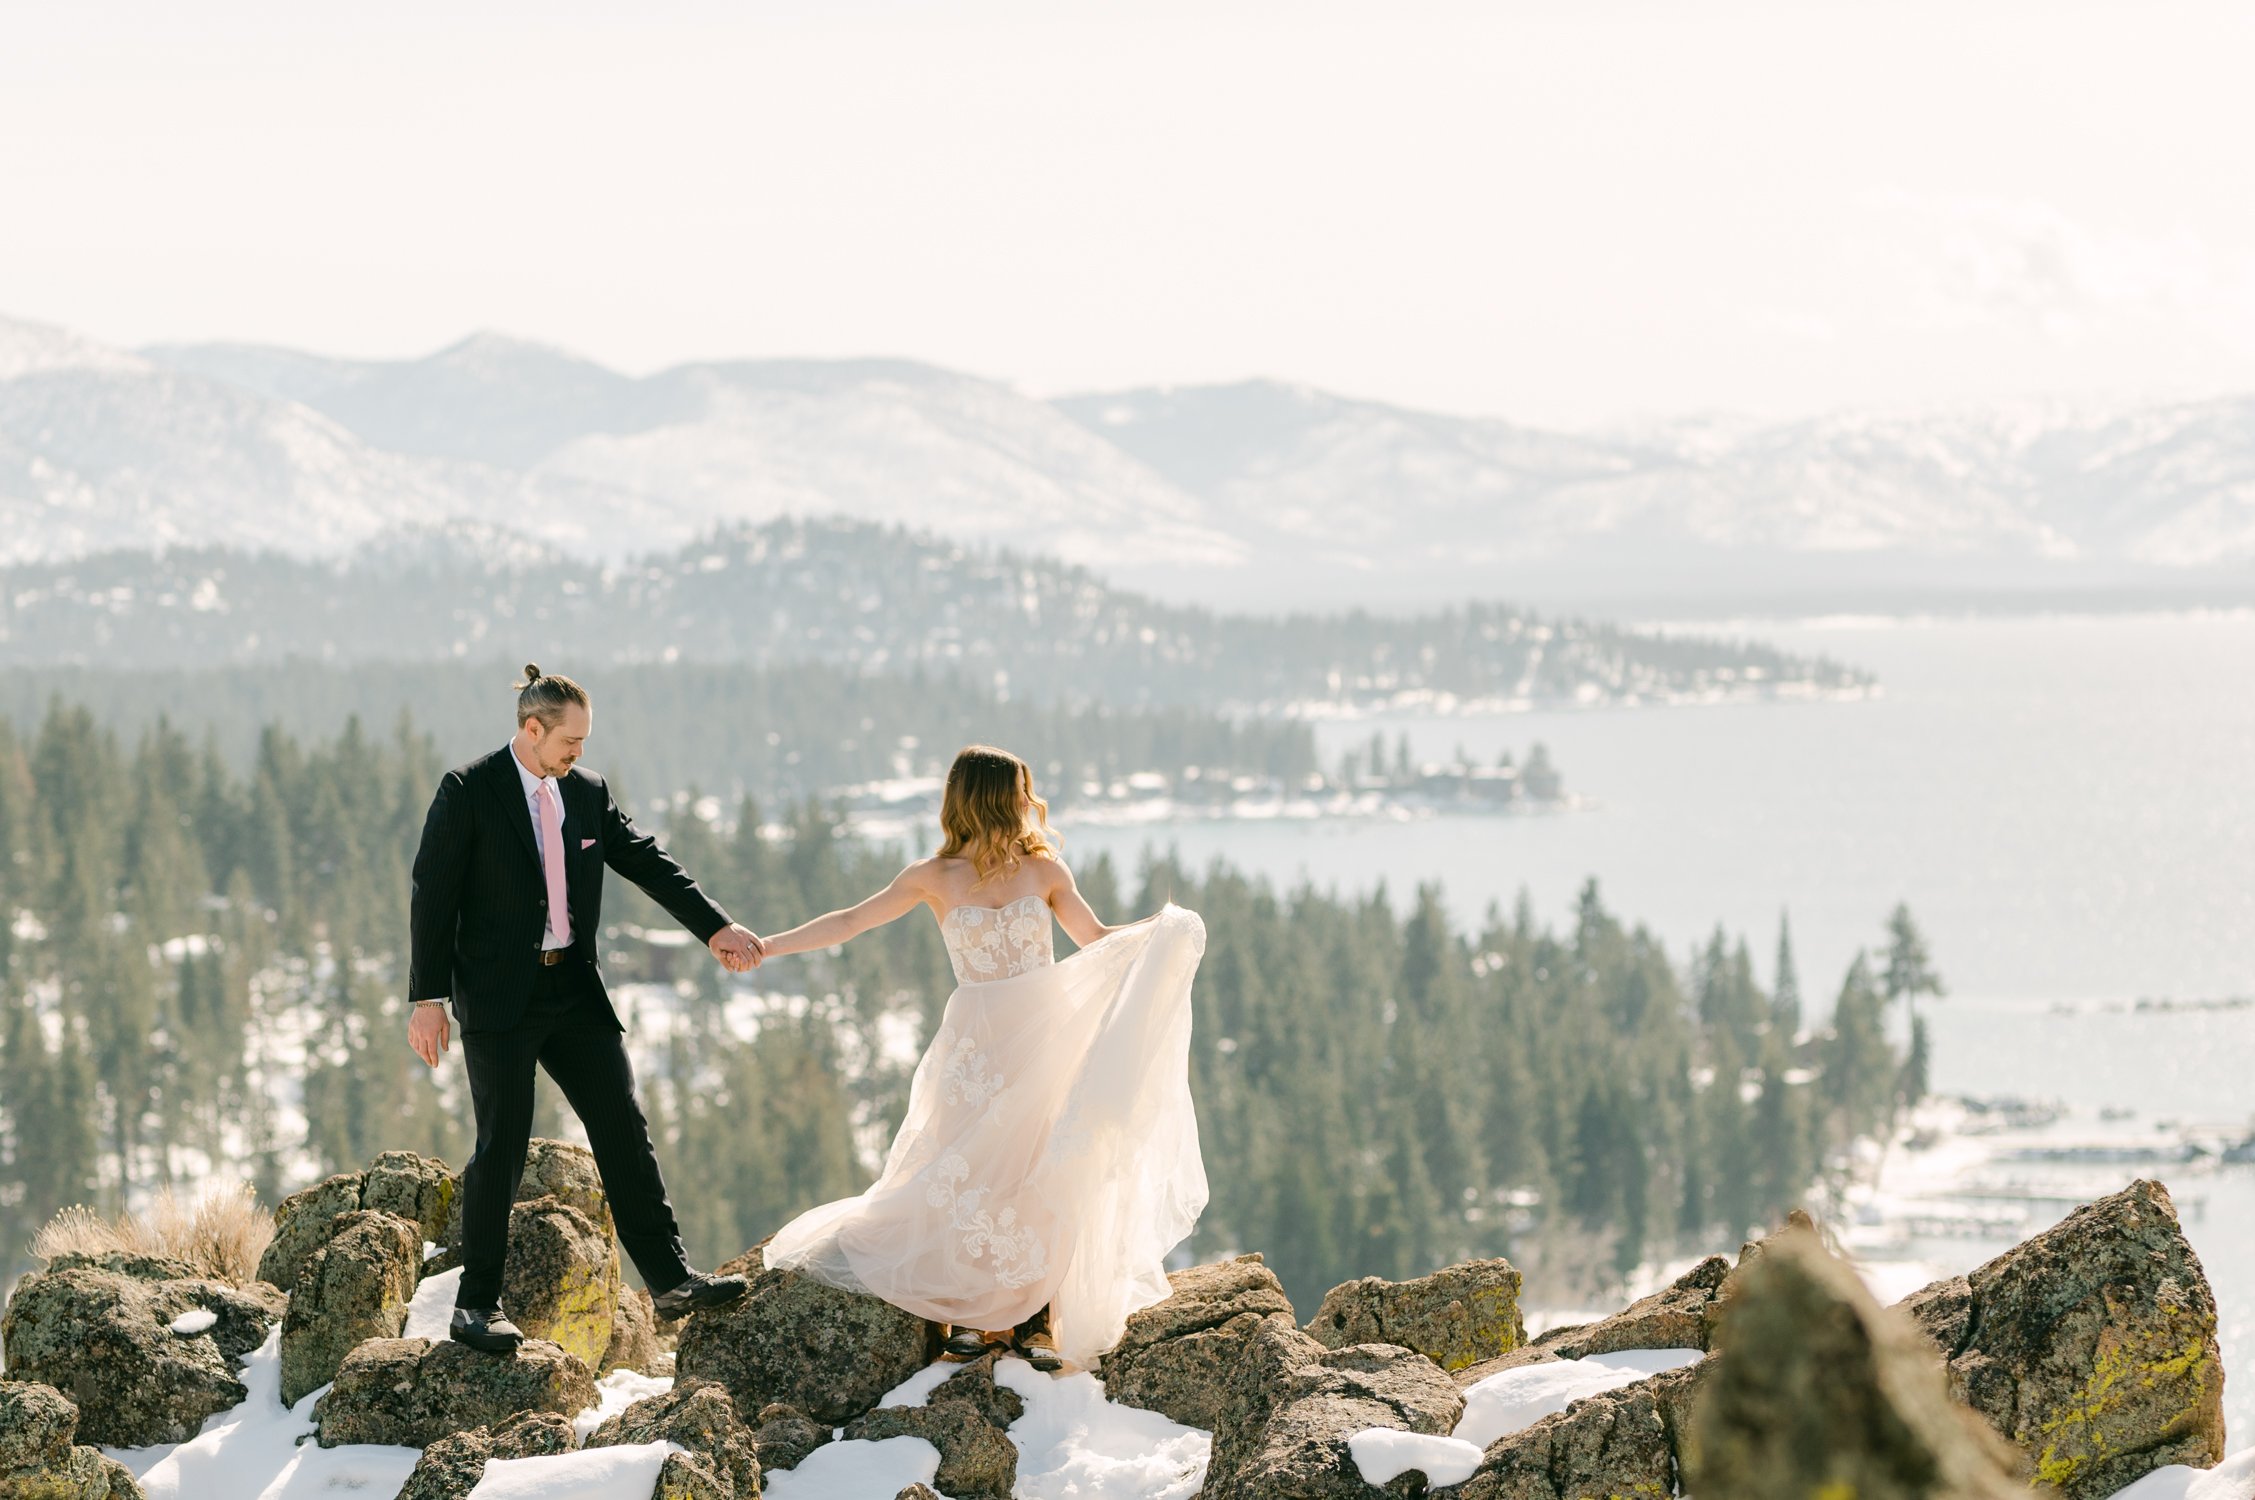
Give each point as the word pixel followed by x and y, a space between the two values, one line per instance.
pixel 40 1456
pixel 977 1462
pixel 1287 1414
pixel 698 1416
pixel 412 1392
pixel 1185 1357
pixel 418 1189
pixel 558 1169
pixel 1628 1442
pixel 100 1329
pixel 1681 1315
pixel 561 1279
pixel 782 1435
pixel 974 1384
pixel 830 1353
pixel 1456 1317
pixel 1821 1392
pixel 637 1343
pixel 451 1467
pixel 2090 1347
pixel 919 1492
pixel 688 1477
pixel 354 1287
pixel 302 1224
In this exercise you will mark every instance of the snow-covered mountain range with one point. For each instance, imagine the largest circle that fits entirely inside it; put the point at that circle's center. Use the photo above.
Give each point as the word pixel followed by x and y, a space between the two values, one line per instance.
pixel 1241 496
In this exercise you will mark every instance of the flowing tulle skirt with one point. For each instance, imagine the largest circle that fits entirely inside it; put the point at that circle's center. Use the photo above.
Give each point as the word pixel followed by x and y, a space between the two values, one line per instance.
pixel 1049 1154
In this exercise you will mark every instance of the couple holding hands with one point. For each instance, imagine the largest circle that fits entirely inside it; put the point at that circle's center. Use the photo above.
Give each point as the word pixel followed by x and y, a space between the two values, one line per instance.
pixel 1049 1157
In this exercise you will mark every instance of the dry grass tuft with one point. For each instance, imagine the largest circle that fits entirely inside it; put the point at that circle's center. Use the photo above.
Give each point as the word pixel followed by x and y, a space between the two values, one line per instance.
pixel 221 1234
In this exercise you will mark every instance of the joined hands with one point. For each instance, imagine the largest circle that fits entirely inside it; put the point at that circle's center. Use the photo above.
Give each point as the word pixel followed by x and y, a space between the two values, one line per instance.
pixel 737 947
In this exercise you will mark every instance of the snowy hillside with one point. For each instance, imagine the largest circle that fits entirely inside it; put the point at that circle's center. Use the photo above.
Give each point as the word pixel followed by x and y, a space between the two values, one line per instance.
pixel 1257 495
pixel 603 463
pixel 2004 496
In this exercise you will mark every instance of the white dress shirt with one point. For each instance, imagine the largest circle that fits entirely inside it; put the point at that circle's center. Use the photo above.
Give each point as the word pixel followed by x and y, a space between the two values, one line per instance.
pixel 533 784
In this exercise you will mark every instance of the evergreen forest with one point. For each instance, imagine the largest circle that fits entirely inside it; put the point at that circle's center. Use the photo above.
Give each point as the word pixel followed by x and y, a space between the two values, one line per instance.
pixel 201 970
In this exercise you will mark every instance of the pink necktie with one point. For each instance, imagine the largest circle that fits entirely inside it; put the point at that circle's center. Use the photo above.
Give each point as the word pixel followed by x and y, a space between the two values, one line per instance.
pixel 552 866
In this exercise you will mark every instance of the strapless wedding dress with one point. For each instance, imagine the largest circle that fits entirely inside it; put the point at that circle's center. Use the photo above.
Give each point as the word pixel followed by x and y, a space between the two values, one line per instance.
pixel 1050 1151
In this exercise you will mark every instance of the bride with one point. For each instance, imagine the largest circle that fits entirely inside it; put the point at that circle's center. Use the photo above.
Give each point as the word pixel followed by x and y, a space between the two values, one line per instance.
pixel 1049 1159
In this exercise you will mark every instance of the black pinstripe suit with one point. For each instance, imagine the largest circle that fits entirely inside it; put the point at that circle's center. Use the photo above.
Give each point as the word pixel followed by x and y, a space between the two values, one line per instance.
pixel 478 913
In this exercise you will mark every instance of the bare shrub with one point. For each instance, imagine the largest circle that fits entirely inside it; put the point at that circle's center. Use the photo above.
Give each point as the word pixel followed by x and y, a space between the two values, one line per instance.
pixel 77 1230
pixel 222 1234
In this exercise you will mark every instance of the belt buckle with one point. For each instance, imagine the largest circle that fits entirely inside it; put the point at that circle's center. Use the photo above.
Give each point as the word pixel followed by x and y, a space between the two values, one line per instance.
pixel 550 957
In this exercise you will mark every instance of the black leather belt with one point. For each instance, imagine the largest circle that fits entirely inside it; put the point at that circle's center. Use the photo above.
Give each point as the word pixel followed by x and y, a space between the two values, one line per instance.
pixel 550 957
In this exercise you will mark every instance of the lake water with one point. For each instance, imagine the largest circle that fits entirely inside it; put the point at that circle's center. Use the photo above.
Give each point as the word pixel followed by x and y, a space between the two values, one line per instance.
pixel 2068 805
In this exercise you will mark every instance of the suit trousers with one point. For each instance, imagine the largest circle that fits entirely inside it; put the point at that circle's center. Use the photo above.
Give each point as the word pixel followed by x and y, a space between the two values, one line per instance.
pixel 568 1030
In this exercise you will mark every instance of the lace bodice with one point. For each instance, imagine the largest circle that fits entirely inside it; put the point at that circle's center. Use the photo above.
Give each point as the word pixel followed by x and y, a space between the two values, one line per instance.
pixel 998 942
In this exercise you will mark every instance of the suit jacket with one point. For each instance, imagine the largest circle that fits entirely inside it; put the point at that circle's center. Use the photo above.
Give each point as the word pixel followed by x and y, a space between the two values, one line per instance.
pixel 480 902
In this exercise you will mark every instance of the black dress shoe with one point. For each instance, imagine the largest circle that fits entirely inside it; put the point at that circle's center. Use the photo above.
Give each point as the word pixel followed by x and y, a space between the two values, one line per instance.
pixel 488 1330
pixel 701 1291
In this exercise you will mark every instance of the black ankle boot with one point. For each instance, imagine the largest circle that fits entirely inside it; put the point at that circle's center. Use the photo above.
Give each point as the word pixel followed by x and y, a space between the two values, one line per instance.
pixel 1033 1343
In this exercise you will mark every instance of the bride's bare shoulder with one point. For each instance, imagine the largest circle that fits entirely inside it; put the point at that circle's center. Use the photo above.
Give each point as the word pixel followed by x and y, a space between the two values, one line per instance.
pixel 1051 871
pixel 923 874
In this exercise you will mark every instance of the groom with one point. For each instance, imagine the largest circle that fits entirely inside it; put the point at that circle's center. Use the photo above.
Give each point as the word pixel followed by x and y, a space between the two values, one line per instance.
pixel 507 904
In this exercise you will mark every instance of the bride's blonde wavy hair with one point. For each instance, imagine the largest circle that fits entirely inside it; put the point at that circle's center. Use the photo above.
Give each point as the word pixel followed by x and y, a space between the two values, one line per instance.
pixel 990 814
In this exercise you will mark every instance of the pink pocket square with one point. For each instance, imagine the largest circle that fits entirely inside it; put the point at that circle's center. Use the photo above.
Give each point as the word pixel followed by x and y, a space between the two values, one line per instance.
pixel 587 843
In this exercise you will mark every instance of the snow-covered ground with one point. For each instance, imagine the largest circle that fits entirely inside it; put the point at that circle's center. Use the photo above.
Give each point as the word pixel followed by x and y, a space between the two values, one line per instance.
pixel 1969 1181
pixel 1073 1444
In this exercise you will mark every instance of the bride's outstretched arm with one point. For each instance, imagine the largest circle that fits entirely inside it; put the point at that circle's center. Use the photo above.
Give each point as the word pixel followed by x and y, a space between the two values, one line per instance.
pixel 1074 914
pixel 903 896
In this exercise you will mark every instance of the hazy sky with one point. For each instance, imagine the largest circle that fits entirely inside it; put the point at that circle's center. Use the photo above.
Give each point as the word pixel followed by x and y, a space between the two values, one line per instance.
pixel 1577 212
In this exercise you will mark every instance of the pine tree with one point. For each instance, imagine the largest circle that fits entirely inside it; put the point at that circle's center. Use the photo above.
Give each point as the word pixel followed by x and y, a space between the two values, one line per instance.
pixel 1909 972
pixel 1785 998
pixel 1858 1071
pixel 1783 1160
pixel 1917 1064
pixel 270 855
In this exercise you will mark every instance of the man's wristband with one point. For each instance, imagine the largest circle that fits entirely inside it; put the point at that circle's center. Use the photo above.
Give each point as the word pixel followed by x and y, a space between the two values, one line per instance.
pixel 431 1002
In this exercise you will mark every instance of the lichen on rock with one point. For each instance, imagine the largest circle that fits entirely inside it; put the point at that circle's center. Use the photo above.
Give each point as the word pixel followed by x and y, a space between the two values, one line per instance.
pixel 412 1392
pixel 783 1436
pixel 561 1279
pixel 451 1467
pixel 104 1339
pixel 637 1342
pixel 353 1287
pixel 2091 1346
pixel 699 1416
pixel 1457 1317
pixel 977 1461
pixel 1285 1434
pixel 1185 1357
pixel 40 1457
pixel 833 1354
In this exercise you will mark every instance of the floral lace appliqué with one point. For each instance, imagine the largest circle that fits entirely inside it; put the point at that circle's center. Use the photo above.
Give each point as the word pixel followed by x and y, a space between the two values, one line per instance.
pixel 998 942
pixel 1012 1249
pixel 966 1075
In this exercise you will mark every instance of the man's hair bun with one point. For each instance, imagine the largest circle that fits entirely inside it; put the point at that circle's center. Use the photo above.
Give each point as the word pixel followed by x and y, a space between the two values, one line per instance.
pixel 541 696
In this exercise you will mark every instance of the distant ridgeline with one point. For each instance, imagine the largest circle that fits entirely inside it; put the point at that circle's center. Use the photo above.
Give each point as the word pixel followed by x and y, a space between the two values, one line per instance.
pixel 869 598
pixel 200 977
